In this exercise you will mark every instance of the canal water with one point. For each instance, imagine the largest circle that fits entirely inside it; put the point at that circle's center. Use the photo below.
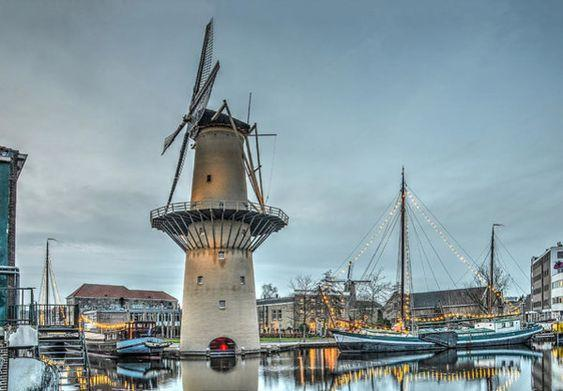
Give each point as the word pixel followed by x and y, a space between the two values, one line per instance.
pixel 522 368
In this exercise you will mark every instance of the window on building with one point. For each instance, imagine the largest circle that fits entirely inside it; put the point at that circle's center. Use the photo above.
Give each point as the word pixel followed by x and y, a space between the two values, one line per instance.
pixel 560 254
pixel 242 280
pixel 199 280
pixel 208 178
pixel 221 254
pixel 222 304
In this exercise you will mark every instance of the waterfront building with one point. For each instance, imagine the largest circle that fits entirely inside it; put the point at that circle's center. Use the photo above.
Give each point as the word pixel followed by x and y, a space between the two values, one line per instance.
pixel 436 303
pixel 114 304
pixel 11 164
pixel 276 315
pixel 547 285
pixel 286 315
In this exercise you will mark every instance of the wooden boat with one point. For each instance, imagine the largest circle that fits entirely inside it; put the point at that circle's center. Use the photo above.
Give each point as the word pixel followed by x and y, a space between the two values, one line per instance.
pixel 143 346
pixel 499 330
pixel 139 339
pixel 357 342
pixel 496 333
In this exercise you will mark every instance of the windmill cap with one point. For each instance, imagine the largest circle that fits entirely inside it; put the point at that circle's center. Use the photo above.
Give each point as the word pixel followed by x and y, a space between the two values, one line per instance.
pixel 222 120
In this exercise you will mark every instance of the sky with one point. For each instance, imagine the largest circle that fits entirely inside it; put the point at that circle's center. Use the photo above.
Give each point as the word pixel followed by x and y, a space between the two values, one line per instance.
pixel 466 95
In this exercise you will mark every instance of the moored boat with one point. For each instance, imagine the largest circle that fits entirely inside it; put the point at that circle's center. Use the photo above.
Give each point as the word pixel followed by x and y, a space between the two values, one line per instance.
pixel 496 333
pixel 363 342
pixel 433 328
pixel 143 346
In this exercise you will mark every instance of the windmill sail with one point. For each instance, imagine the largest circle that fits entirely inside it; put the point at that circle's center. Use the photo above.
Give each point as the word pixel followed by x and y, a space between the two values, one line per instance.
pixel 205 59
pixel 179 167
pixel 203 85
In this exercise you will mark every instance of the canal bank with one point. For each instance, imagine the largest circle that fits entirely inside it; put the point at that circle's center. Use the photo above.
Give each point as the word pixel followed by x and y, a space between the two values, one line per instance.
pixel 266 348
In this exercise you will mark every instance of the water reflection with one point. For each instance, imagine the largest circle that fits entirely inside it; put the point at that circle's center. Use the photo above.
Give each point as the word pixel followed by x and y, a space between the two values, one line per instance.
pixel 518 368
pixel 220 374
pixel 109 374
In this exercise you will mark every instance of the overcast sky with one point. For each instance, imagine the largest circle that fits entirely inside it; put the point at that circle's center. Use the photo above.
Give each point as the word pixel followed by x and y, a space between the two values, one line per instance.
pixel 467 95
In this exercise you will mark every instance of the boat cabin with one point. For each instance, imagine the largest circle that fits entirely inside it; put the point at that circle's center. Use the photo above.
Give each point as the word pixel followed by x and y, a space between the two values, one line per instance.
pixel 504 325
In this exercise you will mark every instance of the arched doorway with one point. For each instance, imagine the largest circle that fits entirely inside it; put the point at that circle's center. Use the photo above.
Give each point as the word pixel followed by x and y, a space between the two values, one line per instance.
pixel 222 345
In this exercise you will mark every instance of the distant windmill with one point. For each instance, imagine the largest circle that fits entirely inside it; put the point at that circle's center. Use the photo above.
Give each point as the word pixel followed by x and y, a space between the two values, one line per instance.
pixel 200 97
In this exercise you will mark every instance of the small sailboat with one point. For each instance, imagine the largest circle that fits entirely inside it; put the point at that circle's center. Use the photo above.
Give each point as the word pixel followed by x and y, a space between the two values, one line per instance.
pixel 406 336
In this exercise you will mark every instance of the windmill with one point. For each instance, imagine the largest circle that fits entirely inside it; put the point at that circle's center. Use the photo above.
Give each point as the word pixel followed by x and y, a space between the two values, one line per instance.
pixel 219 228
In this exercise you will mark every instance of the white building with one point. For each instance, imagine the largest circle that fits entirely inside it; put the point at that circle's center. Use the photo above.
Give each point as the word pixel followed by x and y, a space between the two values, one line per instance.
pixel 547 285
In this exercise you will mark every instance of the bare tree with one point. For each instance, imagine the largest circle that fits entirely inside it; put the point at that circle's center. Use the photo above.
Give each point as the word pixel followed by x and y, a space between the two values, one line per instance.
pixel 304 291
pixel 269 291
pixel 375 292
pixel 501 280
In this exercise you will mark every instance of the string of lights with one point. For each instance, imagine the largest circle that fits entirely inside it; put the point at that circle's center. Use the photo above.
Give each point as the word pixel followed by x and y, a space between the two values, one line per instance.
pixel 468 263
pixel 103 326
pixel 375 235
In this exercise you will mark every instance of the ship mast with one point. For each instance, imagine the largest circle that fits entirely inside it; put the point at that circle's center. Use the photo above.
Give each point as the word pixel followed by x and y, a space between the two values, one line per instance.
pixel 47 275
pixel 490 296
pixel 403 260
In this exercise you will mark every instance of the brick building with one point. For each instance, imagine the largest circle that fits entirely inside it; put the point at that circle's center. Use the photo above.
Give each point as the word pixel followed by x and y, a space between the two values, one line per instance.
pixel 116 304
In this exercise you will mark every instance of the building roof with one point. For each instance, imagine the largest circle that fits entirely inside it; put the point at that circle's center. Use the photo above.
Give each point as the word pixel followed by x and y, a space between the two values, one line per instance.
pixel 446 298
pixel 118 292
pixel 275 300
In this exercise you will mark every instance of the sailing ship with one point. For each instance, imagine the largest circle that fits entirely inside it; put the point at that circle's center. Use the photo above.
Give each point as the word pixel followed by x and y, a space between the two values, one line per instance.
pixel 406 336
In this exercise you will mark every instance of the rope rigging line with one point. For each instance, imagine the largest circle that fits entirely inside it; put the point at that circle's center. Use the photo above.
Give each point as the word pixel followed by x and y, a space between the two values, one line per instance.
pixel 470 263
pixel 497 237
pixel 423 266
pixel 437 222
pixel 423 251
pixel 371 239
pixel 487 251
pixel 387 234
pixel 504 268
pixel 432 246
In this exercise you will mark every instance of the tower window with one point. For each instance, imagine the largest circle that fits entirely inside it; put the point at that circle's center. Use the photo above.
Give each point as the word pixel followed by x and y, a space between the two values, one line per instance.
pixel 222 304
pixel 221 254
pixel 242 280
pixel 208 178
pixel 199 280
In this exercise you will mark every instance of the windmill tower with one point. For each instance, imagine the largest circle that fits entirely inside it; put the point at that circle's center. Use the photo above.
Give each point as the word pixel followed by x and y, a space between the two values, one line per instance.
pixel 219 229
